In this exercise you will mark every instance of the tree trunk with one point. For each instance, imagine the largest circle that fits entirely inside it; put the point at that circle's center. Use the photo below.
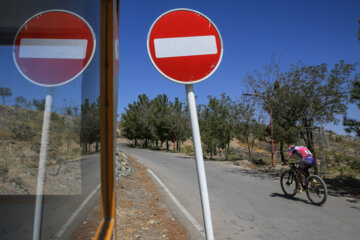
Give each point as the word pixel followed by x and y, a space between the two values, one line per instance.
pixel 310 145
pixel 228 150
pixel 167 145
pixel 282 151
pixel 178 145
pixel 252 145
pixel 248 143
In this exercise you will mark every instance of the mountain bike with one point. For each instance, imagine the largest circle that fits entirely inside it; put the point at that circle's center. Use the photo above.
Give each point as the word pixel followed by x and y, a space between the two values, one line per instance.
pixel 313 185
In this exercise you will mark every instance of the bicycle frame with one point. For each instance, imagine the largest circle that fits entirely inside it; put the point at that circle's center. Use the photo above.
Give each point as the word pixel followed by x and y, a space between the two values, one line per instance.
pixel 296 170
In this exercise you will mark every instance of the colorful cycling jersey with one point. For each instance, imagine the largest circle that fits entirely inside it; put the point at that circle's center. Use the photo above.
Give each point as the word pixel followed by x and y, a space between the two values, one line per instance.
pixel 301 151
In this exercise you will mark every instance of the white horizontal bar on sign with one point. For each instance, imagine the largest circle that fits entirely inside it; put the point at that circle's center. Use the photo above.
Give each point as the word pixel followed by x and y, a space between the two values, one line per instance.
pixel 53 48
pixel 185 46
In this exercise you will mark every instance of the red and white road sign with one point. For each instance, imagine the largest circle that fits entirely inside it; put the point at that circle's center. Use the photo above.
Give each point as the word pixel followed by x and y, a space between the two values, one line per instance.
pixel 54 47
pixel 184 46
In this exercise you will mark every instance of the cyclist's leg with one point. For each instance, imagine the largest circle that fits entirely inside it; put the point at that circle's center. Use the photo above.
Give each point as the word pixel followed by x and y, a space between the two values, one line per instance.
pixel 306 163
pixel 310 162
pixel 303 170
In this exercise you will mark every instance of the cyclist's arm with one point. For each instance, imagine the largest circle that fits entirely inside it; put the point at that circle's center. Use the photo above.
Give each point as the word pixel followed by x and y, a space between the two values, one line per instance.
pixel 289 156
pixel 286 160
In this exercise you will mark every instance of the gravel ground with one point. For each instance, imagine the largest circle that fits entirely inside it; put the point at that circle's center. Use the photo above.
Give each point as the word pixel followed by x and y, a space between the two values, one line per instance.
pixel 141 213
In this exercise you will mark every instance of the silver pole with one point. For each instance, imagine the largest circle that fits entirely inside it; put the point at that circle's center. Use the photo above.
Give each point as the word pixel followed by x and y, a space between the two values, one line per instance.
pixel 199 162
pixel 42 165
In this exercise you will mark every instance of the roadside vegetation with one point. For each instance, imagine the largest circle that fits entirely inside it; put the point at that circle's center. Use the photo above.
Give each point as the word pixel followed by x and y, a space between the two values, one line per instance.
pixel 74 130
pixel 302 99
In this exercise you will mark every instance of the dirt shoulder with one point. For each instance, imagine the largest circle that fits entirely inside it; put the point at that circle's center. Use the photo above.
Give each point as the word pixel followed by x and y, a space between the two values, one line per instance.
pixel 141 212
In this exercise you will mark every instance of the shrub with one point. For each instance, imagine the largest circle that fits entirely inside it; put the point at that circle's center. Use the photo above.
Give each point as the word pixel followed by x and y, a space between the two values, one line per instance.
pixel 156 148
pixel 338 139
pixel 343 158
pixel 233 157
pixel 23 133
pixel 355 164
pixel 187 149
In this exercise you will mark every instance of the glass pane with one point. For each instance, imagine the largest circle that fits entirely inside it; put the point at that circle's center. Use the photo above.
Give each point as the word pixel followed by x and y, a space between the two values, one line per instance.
pixel 42 53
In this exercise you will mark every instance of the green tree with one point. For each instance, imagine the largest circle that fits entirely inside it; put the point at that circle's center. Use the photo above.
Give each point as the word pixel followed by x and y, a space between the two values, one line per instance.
pixel 248 125
pixel 5 92
pixel 161 118
pixel 210 122
pixel 129 122
pixel 137 121
pixel 307 96
pixel 228 114
pixel 90 124
pixel 39 104
pixel 283 130
pixel 179 122
pixel 269 85
pixel 21 102
pixel 317 94
pixel 353 125
pixel 217 122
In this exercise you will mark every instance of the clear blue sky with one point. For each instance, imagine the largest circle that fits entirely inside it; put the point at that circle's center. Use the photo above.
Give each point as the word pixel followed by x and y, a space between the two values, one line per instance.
pixel 314 32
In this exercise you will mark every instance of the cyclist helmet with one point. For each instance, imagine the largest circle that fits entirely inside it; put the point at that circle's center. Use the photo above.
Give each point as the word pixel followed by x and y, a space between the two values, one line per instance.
pixel 290 147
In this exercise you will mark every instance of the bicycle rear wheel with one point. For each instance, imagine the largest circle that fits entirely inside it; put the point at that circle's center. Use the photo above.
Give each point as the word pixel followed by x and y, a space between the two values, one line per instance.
pixel 288 183
pixel 316 190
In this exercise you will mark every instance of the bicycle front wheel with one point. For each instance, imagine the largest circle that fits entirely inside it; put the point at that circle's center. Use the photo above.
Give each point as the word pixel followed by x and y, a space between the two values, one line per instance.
pixel 288 183
pixel 316 190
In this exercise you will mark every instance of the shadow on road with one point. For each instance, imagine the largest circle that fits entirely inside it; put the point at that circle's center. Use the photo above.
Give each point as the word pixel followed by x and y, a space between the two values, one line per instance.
pixel 256 173
pixel 290 198
pixel 344 187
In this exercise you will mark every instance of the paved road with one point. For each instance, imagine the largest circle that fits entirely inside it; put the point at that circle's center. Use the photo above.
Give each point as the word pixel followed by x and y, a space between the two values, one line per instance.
pixel 17 212
pixel 250 206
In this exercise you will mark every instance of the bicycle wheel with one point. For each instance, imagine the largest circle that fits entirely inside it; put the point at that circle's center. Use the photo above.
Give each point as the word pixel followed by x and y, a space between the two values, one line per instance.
pixel 288 183
pixel 316 190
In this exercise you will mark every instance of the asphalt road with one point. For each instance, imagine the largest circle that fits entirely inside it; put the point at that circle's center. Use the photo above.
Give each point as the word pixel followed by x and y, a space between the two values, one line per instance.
pixel 17 212
pixel 245 205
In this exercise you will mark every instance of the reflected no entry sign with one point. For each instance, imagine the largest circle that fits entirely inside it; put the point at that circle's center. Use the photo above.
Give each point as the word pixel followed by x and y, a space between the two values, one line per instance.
pixel 184 46
pixel 54 47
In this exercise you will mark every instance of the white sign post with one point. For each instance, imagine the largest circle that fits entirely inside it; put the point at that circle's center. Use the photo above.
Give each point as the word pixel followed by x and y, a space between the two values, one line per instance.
pixel 51 49
pixel 42 164
pixel 186 47
pixel 199 162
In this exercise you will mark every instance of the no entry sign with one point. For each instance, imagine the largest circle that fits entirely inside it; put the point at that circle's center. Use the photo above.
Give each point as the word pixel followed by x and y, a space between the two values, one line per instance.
pixel 184 46
pixel 54 47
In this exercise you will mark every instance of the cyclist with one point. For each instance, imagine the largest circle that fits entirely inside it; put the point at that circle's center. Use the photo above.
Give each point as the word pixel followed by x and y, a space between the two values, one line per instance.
pixel 307 161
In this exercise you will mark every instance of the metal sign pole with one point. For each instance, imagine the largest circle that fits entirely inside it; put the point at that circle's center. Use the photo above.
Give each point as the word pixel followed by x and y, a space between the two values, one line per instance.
pixel 42 164
pixel 199 162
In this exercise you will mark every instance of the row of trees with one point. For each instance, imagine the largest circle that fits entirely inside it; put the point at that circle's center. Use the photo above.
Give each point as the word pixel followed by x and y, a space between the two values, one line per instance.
pixel 302 99
pixel 156 121
pixel 223 119
pixel 159 121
